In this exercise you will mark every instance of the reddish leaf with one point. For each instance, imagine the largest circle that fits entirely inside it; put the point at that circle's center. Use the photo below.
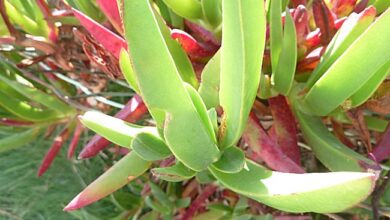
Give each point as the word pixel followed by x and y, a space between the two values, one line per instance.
pixel 111 9
pixel 361 6
pixel 382 150
pixel 201 33
pixel 324 21
pixel 265 149
pixel 295 3
pixel 110 41
pixel 343 7
pixel 310 62
pixel 199 201
pixel 357 118
pixel 75 139
pixel 301 20
pixel 285 128
pixel 190 45
pixel 53 151
pixel 132 112
pixel 14 123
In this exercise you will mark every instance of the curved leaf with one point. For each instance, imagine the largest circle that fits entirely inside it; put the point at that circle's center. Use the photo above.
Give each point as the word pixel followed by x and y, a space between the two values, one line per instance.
pixel 125 170
pixel 17 140
pixel 242 48
pixel 175 173
pixel 149 147
pixel 328 149
pixel 190 9
pixel 232 160
pixel 314 192
pixel 114 129
pixel 209 86
pixel 351 68
pixel 163 90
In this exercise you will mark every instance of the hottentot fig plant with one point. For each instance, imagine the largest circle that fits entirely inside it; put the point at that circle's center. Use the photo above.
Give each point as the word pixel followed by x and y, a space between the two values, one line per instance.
pixel 267 103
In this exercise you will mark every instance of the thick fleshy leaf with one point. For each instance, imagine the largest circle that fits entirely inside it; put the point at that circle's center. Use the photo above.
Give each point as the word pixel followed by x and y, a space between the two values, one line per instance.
pixel 149 147
pixel 209 86
pixel 328 149
pixel 351 68
pixel 212 11
pixel 156 75
pixel 324 20
pixel 125 170
pixel 17 140
pixel 285 127
pixel 110 41
pixel 352 28
pixel 381 5
pixel 127 70
pixel 175 173
pixel 53 151
pixel 111 9
pixel 276 31
pixel 132 112
pixel 283 75
pixel 316 192
pixel 114 129
pixel 242 48
pixel 190 45
pixel 232 160
pixel 267 149
pixel 369 88
pixel 190 9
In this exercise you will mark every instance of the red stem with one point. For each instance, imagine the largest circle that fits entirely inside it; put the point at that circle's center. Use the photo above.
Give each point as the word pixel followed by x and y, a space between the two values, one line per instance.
pixel 199 201
pixel 75 140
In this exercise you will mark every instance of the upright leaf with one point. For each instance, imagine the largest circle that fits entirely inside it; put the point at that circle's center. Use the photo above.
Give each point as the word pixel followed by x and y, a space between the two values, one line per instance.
pixel 163 90
pixel 357 65
pixel 242 48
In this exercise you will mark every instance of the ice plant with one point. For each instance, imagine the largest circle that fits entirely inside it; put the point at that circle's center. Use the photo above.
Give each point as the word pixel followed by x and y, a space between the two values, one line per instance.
pixel 241 94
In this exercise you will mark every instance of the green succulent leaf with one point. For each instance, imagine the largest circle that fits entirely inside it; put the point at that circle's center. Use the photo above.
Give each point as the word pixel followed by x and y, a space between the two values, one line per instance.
pixel 276 31
pixel 355 66
pixel 283 75
pixel 209 86
pixel 149 147
pixel 316 192
pixel 212 11
pixel 175 173
pixel 231 161
pixel 127 70
pixel 125 170
pixel 352 28
pixel 369 88
pixel 113 129
pixel 173 106
pixel 328 149
pixel 190 9
pixel 243 40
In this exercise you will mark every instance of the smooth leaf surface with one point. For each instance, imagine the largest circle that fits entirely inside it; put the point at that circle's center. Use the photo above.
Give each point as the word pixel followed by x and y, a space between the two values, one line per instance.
pixel 243 40
pixel 276 31
pixel 328 149
pixel 316 192
pixel 125 170
pixel 232 160
pixel 283 75
pixel 352 28
pixel 156 75
pixel 190 9
pixel 351 68
pixel 149 147
pixel 209 86
pixel 212 11
pixel 175 173
pixel 114 129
